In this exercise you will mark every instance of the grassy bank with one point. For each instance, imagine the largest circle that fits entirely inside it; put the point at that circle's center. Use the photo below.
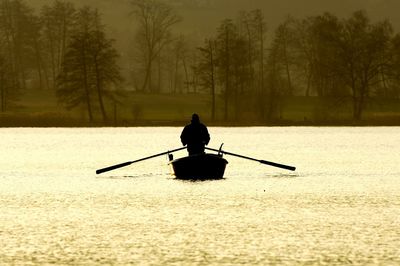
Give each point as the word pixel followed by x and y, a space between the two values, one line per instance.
pixel 40 109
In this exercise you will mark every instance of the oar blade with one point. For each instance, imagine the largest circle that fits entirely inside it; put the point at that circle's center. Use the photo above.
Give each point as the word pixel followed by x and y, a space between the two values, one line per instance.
pixel 113 167
pixel 287 167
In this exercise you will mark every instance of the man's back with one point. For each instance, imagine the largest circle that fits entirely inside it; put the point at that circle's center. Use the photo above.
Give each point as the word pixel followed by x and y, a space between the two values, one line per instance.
pixel 195 136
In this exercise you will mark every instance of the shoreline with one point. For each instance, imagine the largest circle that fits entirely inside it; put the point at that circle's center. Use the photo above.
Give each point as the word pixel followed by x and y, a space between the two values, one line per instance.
pixel 72 123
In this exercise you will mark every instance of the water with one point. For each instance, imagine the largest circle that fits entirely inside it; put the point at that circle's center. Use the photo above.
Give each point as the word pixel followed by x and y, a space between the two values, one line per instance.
pixel 341 206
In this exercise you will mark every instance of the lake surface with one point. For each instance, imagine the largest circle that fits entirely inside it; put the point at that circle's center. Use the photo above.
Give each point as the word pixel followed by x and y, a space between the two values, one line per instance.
pixel 341 205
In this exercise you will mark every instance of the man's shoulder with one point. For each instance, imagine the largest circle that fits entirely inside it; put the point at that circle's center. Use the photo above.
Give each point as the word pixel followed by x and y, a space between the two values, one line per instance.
pixel 202 125
pixel 187 127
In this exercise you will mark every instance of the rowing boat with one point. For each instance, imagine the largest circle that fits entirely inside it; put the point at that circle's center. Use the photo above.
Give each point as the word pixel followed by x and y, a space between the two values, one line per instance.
pixel 204 166
pixel 197 167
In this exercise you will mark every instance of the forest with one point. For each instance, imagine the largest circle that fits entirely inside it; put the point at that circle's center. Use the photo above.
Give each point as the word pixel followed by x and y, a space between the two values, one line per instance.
pixel 61 66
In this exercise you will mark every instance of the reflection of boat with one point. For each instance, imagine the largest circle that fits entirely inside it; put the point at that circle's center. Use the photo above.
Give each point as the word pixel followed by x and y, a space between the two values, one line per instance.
pixel 199 167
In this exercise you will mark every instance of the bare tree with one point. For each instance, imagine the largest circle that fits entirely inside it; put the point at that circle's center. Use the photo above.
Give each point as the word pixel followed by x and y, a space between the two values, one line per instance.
pixel 227 34
pixel 314 59
pixel 271 97
pixel 155 20
pixel 241 75
pixel 284 43
pixel 181 57
pixel 394 70
pixel 206 71
pixel 260 30
pixel 57 21
pixel 247 28
pixel 15 27
pixel 360 49
pixel 9 92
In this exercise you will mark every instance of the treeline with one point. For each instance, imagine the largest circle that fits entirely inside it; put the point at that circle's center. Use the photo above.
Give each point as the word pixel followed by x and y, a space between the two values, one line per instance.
pixel 63 49
pixel 346 63
pixel 247 70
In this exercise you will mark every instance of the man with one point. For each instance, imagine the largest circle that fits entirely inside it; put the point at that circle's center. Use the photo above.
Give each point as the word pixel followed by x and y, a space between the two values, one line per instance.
pixel 195 136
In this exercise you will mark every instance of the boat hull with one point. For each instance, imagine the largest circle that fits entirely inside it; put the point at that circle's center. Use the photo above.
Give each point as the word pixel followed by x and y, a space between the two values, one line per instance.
pixel 199 167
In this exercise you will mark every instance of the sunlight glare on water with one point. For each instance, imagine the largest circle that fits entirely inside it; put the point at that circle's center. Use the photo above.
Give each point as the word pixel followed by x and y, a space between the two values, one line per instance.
pixel 341 205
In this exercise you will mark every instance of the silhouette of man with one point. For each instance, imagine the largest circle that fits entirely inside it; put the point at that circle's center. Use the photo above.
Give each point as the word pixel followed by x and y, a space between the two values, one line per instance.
pixel 195 136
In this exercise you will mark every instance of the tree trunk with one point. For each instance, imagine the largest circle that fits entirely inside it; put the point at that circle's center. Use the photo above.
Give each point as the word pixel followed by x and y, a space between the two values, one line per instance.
pixel 86 83
pixel 289 79
pixel 99 90
pixel 186 75
pixel 40 68
pixel 261 89
pixel 3 93
pixel 212 82
pixel 176 72
pixel 147 76
pixel 159 80
pixel 227 75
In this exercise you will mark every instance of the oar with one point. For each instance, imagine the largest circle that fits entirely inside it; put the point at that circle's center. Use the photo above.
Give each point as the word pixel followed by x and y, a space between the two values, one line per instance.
pixel 113 167
pixel 287 167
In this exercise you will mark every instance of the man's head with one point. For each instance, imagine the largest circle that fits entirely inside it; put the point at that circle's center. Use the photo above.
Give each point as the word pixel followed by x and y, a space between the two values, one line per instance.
pixel 195 118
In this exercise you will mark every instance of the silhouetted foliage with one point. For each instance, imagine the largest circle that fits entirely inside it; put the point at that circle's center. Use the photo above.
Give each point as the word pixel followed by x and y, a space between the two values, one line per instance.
pixel 89 72
pixel 343 66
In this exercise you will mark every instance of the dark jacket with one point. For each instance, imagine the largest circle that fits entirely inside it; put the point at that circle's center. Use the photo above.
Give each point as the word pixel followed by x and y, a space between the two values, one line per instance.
pixel 195 136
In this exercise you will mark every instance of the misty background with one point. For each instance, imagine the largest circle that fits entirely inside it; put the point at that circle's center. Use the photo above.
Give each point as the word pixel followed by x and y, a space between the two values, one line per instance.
pixel 201 17
pixel 178 68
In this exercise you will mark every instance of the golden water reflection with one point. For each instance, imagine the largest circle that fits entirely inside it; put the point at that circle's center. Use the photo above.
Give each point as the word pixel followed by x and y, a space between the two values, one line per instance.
pixel 342 206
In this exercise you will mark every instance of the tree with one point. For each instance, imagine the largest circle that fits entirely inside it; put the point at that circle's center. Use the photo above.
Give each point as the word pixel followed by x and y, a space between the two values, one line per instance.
pixel 104 59
pixel 248 31
pixel 181 56
pixel 57 20
pixel 34 37
pixel 8 91
pixel 316 61
pixel 16 28
pixel 275 71
pixel 89 70
pixel 206 71
pixel 283 45
pixel 394 70
pixel 361 50
pixel 260 29
pixel 155 20
pixel 227 33
pixel 240 71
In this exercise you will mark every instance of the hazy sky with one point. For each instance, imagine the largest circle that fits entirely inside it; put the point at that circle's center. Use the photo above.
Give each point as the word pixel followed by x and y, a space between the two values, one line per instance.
pixel 201 17
pixel 276 10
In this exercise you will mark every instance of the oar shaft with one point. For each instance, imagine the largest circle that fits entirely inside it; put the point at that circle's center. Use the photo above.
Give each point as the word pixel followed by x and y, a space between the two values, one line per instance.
pixel 287 167
pixel 113 167
pixel 156 155
pixel 233 154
